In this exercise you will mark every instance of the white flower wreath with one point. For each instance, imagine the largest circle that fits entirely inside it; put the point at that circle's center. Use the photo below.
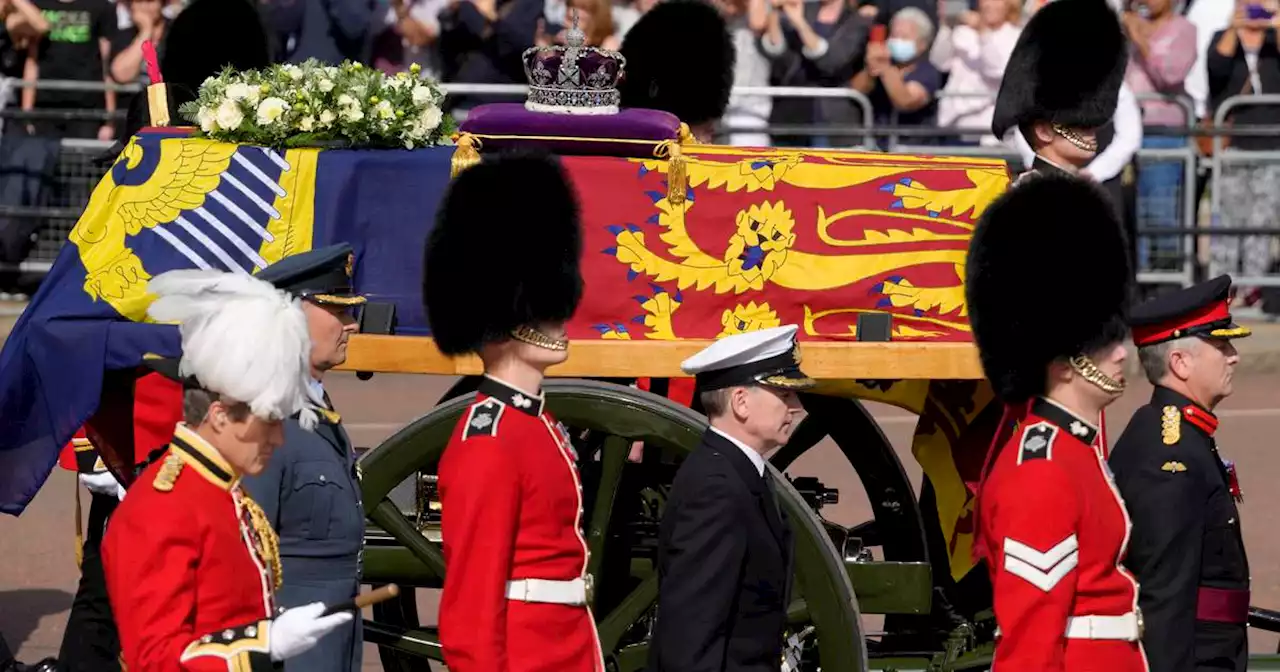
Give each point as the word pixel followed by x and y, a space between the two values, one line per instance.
pixel 313 104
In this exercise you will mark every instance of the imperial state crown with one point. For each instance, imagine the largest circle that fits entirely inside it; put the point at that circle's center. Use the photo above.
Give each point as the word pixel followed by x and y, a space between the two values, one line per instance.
pixel 573 79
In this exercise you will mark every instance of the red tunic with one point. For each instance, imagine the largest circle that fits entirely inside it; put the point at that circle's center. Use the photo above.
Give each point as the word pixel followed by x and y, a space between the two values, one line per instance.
pixel 511 507
pixel 190 577
pixel 1054 529
pixel 155 406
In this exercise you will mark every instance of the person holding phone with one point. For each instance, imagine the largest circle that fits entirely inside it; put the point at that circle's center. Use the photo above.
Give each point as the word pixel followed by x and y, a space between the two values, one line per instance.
pixel 1244 60
pixel 973 49
pixel 897 76
pixel 814 44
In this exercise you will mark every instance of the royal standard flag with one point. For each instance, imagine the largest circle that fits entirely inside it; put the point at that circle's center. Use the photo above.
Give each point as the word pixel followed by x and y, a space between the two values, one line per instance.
pixel 171 202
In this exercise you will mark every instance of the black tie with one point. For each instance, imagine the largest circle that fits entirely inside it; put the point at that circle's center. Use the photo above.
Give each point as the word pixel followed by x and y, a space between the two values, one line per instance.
pixel 773 496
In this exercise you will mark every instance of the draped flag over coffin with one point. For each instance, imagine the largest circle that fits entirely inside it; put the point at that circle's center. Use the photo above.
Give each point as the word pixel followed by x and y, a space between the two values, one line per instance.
pixel 774 237
pixel 167 203
pixel 173 202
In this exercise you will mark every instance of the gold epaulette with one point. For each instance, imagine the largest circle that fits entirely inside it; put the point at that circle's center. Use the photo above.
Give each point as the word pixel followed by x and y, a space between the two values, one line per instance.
pixel 169 472
pixel 1171 425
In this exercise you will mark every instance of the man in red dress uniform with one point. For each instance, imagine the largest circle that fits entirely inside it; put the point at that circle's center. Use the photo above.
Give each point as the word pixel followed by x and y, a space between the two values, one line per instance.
pixel 1051 524
pixel 191 562
pixel 516 591
pixel 140 421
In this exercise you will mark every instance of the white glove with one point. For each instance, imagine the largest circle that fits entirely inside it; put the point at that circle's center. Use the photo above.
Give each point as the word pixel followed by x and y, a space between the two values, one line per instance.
pixel 102 483
pixel 298 629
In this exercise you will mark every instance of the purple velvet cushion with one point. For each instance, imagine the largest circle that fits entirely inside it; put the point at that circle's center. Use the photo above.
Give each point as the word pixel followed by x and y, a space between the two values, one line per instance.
pixel 628 124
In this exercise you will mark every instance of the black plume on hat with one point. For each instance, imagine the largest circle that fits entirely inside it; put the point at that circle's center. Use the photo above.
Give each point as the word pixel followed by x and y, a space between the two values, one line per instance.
pixel 1066 68
pixel 504 252
pixel 680 59
pixel 1026 309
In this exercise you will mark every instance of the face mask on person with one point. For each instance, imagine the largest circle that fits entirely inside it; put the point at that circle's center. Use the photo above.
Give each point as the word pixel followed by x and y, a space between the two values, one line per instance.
pixel 900 50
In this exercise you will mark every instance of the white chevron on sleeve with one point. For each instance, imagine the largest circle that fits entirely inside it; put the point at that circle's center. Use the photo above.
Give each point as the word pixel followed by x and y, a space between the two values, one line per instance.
pixel 1041 569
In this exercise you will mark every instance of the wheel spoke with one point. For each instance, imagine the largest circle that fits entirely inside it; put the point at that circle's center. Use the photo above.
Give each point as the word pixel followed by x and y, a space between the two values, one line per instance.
pixel 387 515
pixel 413 641
pixel 613 457
pixel 634 606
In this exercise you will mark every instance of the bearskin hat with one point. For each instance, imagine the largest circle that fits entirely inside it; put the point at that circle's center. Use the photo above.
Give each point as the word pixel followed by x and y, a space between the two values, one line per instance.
pixel 1066 68
pixel 680 59
pixel 504 252
pixel 1026 311
pixel 207 36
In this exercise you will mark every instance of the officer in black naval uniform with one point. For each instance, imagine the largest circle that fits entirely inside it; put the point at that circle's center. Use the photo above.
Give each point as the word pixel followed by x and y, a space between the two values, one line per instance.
pixel 310 489
pixel 725 546
pixel 1186 550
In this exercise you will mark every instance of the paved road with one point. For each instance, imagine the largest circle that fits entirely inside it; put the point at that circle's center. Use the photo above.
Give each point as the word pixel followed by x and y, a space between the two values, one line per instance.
pixel 38 576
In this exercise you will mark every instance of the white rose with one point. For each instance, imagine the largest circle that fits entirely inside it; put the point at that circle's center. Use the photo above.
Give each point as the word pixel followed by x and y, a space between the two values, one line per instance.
pixel 306 123
pixel 430 118
pixel 325 85
pixel 327 117
pixel 205 117
pixel 421 95
pixel 228 115
pixel 351 114
pixel 384 110
pixel 347 101
pixel 238 91
pixel 269 110
pixel 294 72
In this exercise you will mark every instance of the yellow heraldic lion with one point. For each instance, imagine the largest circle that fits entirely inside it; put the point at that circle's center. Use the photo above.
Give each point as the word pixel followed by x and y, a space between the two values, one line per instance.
pixel 148 186
pixel 760 251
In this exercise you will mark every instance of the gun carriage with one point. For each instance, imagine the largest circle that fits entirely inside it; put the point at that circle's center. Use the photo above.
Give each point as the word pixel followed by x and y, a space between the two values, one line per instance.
pixel 683 243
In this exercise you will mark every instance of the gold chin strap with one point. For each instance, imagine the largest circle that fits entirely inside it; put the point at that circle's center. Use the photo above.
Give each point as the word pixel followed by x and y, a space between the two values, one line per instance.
pixel 1076 139
pixel 534 337
pixel 1090 372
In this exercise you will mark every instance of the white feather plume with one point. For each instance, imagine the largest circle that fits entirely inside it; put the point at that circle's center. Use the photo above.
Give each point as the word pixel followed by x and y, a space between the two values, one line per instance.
pixel 241 337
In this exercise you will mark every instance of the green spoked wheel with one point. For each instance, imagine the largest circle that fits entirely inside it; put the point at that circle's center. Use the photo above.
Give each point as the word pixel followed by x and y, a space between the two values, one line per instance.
pixel 623 504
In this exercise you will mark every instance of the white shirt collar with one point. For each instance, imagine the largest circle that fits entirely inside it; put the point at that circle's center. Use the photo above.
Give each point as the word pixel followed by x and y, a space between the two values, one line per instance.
pixel 756 458
pixel 316 387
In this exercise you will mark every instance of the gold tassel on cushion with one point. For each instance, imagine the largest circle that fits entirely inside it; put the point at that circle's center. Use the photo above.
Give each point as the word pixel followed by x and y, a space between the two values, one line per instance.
pixel 467 153
pixel 677 177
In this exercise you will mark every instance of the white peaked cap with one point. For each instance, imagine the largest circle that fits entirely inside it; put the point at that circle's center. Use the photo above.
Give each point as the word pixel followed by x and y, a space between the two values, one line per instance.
pixel 242 338
pixel 767 356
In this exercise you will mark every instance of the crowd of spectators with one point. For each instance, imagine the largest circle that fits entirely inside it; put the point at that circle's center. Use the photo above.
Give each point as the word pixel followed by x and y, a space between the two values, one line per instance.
pixel 929 68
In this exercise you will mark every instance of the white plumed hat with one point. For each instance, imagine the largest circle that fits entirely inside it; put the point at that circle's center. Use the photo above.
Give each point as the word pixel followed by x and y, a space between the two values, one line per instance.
pixel 241 338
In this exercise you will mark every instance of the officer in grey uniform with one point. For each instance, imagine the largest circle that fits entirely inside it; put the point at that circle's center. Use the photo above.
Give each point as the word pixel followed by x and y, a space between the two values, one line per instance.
pixel 310 489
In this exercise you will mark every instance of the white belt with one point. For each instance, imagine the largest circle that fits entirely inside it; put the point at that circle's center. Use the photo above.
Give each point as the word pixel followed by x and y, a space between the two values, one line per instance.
pixel 1125 627
pixel 574 592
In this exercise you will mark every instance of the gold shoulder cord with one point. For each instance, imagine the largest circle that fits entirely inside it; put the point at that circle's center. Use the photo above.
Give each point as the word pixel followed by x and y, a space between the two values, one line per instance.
pixel 269 543
pixel 1171 425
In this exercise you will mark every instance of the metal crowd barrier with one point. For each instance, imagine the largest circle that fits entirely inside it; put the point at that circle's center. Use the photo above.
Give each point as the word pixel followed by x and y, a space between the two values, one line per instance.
pixel 76 173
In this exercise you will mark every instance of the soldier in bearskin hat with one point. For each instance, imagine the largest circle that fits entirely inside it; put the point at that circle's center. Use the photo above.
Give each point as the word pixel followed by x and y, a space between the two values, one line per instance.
pixel 1062 83
pixel 517 586
pixel 1051 524
pixel 680 59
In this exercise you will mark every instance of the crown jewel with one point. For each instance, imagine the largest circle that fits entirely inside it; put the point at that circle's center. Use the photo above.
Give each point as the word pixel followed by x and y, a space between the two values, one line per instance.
pixel 573 79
